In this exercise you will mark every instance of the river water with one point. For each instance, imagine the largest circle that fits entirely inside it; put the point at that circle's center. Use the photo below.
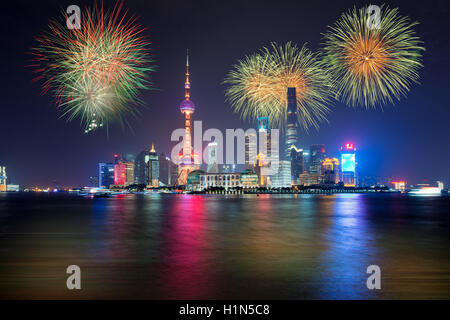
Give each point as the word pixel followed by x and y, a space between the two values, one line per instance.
pixel 224 246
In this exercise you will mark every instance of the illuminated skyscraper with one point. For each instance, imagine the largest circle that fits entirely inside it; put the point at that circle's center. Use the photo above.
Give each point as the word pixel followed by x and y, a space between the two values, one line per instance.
pixel 164 169
pixel 3 178
pixel 282 179
pixel 316 156
pixel 261 164
pixel 291 130
pixel 141 174
pixel 263 128
pixel 348 165
pixel 153 167
pixel 330 170
pixel 213 166
pixel 120 174
pixel 251 142
pixel 129 172
pixel 173 173
pixel 105 175
pixel 187 107
pixel 297 164
pixel 123 170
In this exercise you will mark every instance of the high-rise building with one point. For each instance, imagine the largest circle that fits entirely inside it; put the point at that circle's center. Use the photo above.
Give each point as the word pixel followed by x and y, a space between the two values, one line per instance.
pixel 188 162
pixel 141 168
pixel 282 179
pixel 316 156
pixel 261 169
pixel 120 174
pixel 306 160
pixel 3 178
pixel 297 165
pixel 129 172
pixel 330 170
pixel 263 128
pixel 251 142
pixel 348 165
pixel 213 166
pixel 173 173
pixel 153 167
pixel 164 169
pixel 105 175
pixel 291 130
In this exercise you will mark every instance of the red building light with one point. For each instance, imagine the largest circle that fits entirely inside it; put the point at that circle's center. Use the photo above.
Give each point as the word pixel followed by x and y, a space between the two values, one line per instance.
pixel 120 174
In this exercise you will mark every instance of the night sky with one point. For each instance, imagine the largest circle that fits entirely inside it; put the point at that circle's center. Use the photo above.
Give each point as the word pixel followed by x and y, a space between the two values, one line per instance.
pixel 409 140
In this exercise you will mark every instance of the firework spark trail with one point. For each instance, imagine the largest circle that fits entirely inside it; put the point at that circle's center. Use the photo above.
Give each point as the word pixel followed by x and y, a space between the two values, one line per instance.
pixel 258 85
pixel 96 72
pixel 372 66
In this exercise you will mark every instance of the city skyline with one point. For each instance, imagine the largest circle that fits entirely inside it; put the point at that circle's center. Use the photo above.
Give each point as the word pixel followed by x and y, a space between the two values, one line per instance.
pixel 229 154
pixel 406 141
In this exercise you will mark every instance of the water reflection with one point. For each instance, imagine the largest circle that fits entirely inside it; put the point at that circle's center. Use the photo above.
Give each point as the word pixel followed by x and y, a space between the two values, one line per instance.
pixel 217 247
pixel 350 250
pixel 187 257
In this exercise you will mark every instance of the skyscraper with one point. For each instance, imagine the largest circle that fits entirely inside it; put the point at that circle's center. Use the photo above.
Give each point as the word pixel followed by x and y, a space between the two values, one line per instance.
pixel 282 179
pixel 297 164
pixel 263 128
pixel 213 166
pixel 129 172
pixel 153 167
pixel 105 175
pixel 3 178
pixel 317 155
pixel 250 150
pixel 173 173
pixel 187 107
pixel 141 168
pixel 291 130
pixel 164 165
pixel 330 170
pixel 348 165
pixel 262 163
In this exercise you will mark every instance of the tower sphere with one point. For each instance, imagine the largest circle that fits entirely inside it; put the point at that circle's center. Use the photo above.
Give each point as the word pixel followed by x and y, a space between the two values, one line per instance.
pixel 187 105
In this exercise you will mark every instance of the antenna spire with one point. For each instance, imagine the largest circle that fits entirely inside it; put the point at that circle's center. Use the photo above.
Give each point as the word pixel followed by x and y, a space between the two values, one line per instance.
pixel 187 57
pixel 187 84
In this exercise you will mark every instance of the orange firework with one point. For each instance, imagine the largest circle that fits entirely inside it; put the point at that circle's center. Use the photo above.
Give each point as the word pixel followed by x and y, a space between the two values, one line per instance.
pixel 258 85
pixel 372 64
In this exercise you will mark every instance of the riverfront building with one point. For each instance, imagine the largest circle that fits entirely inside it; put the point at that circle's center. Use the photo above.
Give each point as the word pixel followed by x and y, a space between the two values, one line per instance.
pixel 105 175
pixel 225 180
pixel 188 161
pixel 3 178
pixel 348 165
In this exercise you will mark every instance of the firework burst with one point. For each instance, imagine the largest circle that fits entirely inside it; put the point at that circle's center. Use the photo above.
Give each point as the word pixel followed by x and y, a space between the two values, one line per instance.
pixel 258 85
pixel 95 72
pixel 372 66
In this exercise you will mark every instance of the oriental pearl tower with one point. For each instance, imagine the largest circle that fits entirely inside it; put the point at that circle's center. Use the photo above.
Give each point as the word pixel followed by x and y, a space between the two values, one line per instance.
pixel 188 159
